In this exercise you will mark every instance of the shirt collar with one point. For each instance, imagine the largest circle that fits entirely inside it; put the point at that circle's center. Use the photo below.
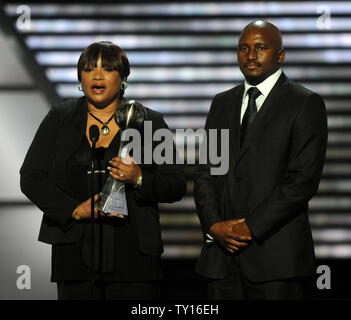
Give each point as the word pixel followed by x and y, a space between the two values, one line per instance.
pixel 265 86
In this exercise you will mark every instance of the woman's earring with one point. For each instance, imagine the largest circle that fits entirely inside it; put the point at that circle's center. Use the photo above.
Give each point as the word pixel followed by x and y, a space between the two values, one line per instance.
pixel 80 87
pixel 124 85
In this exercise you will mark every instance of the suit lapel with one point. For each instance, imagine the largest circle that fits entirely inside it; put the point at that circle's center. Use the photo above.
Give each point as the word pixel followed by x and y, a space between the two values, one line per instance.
pixel 264 116
pixel 75 127
pixel 234 120
pixel 234 102
pixel 80 117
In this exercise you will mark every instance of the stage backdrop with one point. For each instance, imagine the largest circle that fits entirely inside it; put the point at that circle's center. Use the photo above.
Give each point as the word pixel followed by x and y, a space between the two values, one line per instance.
pixel 181 55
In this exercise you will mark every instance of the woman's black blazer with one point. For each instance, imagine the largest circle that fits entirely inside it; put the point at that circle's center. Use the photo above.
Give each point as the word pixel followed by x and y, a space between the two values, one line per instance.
pixel 43 179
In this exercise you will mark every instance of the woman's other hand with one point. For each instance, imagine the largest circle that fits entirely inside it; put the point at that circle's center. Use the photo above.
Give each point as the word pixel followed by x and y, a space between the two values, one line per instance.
pixel 83 211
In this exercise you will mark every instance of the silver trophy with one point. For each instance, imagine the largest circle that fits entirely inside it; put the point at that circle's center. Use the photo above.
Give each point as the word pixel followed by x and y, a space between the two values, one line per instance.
pixel 130 114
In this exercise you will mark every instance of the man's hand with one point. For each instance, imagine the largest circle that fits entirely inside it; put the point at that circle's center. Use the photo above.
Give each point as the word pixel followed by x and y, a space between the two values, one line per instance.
pixel 232 234
pixel 241 229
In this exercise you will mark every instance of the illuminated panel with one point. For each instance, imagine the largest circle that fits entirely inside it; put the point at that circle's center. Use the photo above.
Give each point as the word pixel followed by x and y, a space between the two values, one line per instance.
pixel 335 186
pixel 127 41
pixel 180 219
pixel 198 57
pixel 179 41
pixel 321 219
pixel 193 25
pixel 180 106
pixel 333 251
pixel 341 169
pixel 331 235
pixel 164 74
pixel 189 9
pixel 338 137
pixel 321 56
pixel 175 235
pixel 330 202
pixel 216 74
pixel 334 105
pixel 200 90
pixel 340 153
pixel 339 121
pixel 159 90
pixel 176 251
pixel 329 89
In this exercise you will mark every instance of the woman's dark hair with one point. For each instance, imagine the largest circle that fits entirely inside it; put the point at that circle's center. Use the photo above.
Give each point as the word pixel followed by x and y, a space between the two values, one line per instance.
pixel 112 56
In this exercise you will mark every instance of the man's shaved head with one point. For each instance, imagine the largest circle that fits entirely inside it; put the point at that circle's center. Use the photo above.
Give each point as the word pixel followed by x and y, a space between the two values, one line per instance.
pixel 269 27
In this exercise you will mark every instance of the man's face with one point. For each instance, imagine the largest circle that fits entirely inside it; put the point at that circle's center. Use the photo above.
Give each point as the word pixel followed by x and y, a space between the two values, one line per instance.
pixel 259 54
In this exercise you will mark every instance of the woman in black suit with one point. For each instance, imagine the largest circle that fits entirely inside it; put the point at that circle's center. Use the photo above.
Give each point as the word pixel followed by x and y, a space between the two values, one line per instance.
pixel 55 176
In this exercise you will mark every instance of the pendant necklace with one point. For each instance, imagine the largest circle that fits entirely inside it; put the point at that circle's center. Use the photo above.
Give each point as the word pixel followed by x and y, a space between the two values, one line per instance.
pixel 105 129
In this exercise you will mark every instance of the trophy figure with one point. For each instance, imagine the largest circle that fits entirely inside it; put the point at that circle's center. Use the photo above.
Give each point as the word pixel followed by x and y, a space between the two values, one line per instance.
pixel 130 114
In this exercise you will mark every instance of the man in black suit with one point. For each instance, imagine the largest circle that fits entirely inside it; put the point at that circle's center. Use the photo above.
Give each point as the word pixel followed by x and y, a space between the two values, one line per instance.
pixel 258 242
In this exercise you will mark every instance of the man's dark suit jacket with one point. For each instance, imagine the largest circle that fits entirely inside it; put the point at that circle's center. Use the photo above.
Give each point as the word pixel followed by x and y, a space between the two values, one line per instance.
pixel 43 179
pixel 270 180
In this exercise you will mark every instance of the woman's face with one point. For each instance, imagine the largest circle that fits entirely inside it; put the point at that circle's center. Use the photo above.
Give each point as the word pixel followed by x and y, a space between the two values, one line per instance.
pixel 101 85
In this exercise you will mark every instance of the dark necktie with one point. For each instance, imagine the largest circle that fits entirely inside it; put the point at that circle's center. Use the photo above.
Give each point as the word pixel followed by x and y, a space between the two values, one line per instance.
pixel 250 113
